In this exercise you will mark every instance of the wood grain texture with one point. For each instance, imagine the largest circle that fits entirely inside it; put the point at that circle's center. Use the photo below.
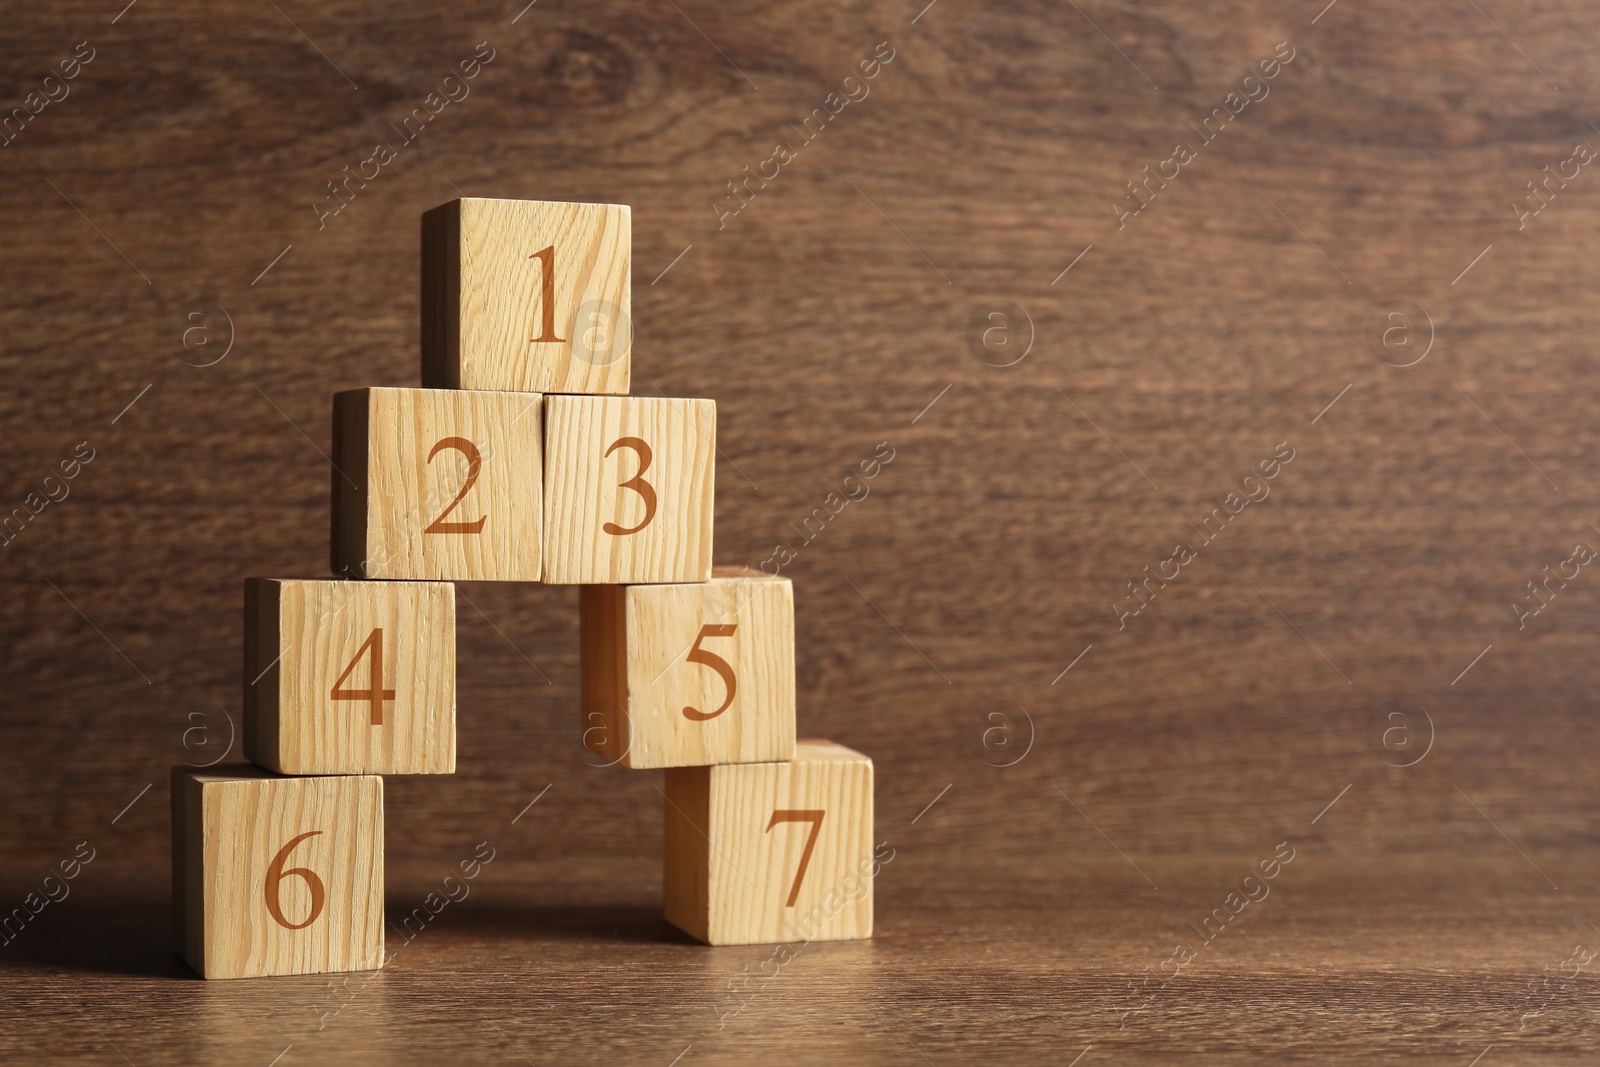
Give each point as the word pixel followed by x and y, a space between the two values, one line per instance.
pixel 652 694
pixel 453 484
pixel 767 853
pixel 598 529
pixel 939 614
pixel 307 640
pixel 231 831
pixel 484 320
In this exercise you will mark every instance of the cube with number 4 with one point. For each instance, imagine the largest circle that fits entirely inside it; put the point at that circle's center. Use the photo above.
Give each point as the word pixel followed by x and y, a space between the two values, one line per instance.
pixel 276 875
pixel 762 853
pixel 628 489
pixel 438 483
pixel 349 677
pixel 527 295
pixel 689 675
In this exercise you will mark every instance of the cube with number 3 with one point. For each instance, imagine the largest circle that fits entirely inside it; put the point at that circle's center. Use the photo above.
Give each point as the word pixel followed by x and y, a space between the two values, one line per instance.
pixel 763 853
pixel 691 674
pixel 277 875
pixel 438 484
pixel 628 489
pixel 350 677
pixel 527 295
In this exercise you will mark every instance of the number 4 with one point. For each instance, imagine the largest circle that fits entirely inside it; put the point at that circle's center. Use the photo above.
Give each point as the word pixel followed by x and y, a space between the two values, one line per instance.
pixel 375 694
pixel 812 816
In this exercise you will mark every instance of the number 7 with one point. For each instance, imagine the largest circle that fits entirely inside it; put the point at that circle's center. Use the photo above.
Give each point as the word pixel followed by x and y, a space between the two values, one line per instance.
pixel 812 816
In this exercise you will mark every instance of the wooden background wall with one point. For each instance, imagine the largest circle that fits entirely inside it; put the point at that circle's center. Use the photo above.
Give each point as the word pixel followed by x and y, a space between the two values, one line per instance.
pixel 830 314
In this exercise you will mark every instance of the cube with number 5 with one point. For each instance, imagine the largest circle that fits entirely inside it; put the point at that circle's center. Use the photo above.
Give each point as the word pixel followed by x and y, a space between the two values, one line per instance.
pixel 763 853
pixel 275 875
pixel 689 674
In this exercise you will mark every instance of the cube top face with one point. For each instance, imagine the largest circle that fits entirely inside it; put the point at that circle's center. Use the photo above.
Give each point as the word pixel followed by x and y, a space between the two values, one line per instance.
pixel 786 853
pixel 690 675
pixel 527 295
pixel 278 875
pixel 350 677
pixel 628 489
pixel 438 484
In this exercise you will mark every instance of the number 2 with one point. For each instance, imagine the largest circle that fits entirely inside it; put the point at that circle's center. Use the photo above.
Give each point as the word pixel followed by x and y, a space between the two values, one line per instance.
pixel 646 491
pixel 474 462
pixel 812 816
pixel 376 694
pixel 716 663
pixel 275 876
pixel 547 297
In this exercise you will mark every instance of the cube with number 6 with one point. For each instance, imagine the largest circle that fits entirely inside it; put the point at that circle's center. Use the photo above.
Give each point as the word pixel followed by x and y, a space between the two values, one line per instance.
pixel 689 674
pixel 350 677
pixel 762 853
pixel 275 875
pixel 628 489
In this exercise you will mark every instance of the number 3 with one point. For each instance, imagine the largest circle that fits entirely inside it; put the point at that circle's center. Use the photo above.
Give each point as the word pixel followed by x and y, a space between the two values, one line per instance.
pixel 716 663
pixel 275 876
pixel 646 491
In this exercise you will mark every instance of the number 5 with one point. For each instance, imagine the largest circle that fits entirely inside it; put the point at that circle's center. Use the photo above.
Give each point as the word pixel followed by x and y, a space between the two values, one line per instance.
pixel 716 663
pixel 812 816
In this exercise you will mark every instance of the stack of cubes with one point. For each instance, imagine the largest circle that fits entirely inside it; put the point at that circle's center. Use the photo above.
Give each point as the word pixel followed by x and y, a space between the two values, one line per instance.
pixel 521 460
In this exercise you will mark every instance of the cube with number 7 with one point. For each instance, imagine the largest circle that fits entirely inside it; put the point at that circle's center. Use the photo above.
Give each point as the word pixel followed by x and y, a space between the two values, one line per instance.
pixel 762 853
pixel 628 487
pixel 275 875
pixel 350 677
pixel 689 674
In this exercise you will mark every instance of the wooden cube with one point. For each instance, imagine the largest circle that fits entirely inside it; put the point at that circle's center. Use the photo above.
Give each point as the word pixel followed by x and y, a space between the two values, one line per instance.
pixel 350 677
pixel 275 875
pixel 762 853
pixel 628 489
pixel 689 675
pixel 438 483
pixel 527 295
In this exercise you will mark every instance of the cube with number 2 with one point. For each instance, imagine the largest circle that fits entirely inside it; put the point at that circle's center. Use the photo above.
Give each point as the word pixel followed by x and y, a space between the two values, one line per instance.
pixel 762 853
pixel 438 484
pixel 277 875
pixel 692 674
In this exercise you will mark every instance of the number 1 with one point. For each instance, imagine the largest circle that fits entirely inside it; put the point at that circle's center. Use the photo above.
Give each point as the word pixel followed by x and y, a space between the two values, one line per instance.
pixel 812 816
pixel 547 297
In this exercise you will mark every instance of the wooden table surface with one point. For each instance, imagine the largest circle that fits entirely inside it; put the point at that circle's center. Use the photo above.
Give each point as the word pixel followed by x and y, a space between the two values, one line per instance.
pixel 1350 283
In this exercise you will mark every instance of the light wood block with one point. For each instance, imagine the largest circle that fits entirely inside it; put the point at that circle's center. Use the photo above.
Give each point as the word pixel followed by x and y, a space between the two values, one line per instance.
pixel 690 675
pixel 438 484
pixel 275 875
pixel 527 295
pixel 350 677
pixel 628 489
pixel 762 853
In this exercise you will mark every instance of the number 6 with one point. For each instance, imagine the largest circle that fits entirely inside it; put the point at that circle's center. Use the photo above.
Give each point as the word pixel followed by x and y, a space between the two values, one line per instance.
pixel 275 876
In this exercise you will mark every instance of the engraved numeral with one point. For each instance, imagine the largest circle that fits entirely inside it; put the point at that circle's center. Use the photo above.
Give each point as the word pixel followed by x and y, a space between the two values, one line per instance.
pixel 718 664
pixel 375 694
pixel 646 491
pixel 474 463
pixel 547 297
pixel 812 816
pixel 275 876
